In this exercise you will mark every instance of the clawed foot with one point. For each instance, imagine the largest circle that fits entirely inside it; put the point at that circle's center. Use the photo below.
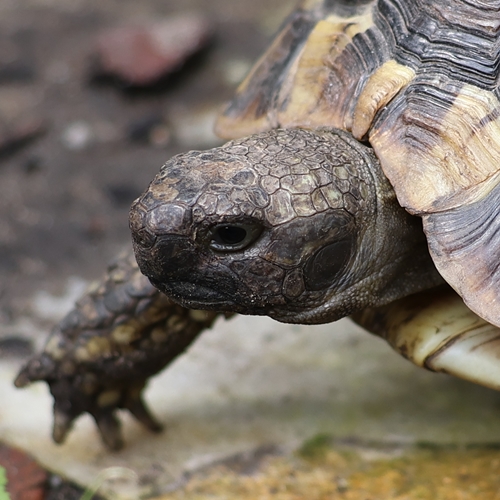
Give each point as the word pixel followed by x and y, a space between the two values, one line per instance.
pixel 99 357
pixel 77 394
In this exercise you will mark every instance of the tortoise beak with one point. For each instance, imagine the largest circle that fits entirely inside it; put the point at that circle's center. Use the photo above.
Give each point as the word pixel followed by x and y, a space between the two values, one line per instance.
pixel 176 267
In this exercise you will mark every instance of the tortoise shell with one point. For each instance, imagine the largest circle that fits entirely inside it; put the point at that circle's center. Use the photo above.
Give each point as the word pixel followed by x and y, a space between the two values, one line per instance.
pixel 418 81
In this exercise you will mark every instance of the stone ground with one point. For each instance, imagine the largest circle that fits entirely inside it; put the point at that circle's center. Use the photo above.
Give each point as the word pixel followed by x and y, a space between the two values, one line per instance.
pixel 255 409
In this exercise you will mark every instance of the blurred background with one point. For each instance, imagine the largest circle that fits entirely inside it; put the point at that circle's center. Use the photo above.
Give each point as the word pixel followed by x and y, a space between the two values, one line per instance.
pixel 95 95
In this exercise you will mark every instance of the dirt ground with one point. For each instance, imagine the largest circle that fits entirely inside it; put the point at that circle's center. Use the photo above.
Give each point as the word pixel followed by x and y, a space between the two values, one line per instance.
pixel 64 200
pixel 64 197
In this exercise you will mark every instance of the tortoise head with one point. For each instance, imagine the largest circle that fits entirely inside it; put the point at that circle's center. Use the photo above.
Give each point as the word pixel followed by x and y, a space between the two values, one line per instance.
pixel 295 224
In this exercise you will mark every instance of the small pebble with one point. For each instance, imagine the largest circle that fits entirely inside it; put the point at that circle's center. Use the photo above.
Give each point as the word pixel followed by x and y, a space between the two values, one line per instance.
pixel 160 136
pixel 139 130
pixel 141 55
pixel 151 130
pixel 77 136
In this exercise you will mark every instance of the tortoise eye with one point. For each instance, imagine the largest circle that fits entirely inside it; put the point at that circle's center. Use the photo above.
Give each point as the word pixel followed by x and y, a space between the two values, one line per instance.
pixel 233 237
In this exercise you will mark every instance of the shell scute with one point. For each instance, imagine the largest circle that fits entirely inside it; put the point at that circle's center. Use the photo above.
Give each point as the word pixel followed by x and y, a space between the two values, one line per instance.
pixel 420 81
pixel 307 75
pixel 449 137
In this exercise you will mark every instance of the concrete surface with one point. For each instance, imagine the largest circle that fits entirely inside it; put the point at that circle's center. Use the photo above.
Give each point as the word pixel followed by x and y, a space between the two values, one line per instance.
pixel 251 383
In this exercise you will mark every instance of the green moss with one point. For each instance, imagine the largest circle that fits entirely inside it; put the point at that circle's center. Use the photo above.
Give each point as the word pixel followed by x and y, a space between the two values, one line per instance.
pixel 3 485
pixel 421 474
pixel 316 447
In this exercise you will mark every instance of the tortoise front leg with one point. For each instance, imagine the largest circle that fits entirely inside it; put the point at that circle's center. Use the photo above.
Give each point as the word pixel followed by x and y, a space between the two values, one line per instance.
pixel 99 357
pixel 435 330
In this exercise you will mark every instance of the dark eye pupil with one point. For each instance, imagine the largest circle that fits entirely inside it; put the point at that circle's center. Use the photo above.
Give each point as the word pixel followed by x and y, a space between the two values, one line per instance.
pixel 231 235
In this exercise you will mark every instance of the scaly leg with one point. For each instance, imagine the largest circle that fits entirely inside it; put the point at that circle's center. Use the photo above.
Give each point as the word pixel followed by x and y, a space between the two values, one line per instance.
pixel 99 357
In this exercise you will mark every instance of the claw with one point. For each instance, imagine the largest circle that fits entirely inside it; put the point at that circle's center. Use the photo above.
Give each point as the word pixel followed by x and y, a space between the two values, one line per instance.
pixel 41 367
pixel 140 411
pixel 62 425
pixel 99 357
pixel 110 429
pixel 22 379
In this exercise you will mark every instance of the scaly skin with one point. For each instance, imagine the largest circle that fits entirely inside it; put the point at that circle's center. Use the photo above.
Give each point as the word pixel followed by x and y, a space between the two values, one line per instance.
pixel 99 357
pixel 299 225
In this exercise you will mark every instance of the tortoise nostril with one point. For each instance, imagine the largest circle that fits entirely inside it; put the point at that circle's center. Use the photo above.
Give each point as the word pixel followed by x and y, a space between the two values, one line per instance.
pixel 143 238
pixel 172 257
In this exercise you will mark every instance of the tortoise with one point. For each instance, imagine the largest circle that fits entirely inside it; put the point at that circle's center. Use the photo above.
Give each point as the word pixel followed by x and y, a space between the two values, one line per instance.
pixel 361 179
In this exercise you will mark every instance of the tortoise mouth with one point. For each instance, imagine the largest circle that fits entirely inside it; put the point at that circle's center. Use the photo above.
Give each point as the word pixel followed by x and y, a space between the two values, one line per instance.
pixel 200 296
pixel 195 295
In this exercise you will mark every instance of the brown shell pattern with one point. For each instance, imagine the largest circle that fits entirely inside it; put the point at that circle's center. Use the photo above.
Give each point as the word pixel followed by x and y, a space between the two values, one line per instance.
pixel 418 80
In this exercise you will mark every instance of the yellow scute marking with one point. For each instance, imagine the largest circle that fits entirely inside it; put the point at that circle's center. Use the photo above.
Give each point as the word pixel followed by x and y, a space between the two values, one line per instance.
pixel 380 88
pixel 455 162
pixel 302 101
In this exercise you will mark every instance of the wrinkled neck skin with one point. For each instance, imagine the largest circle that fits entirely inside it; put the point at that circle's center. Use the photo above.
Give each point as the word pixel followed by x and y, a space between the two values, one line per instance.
pixel 295 224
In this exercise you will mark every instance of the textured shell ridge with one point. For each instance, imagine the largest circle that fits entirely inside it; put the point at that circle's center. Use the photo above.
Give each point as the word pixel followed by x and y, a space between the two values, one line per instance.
pixel 257 93
pixel 439 140
pixel 420 81
pixel 317 85
pixel 326 51
pixel 448 36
